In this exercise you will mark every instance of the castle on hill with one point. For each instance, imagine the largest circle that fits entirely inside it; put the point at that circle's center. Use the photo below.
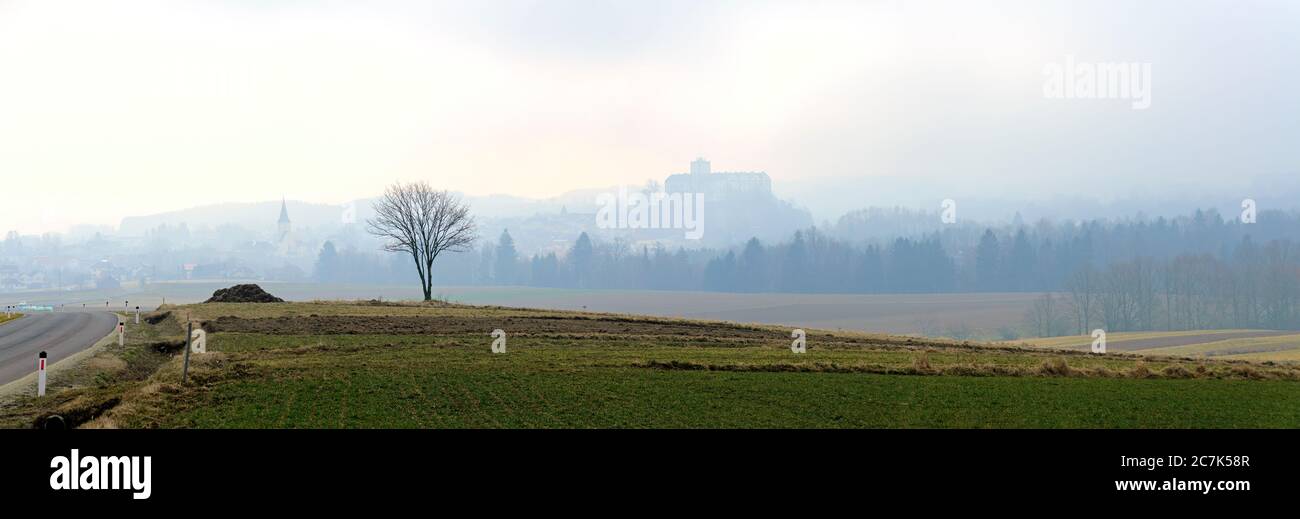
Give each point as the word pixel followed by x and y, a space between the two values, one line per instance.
pixel 721 186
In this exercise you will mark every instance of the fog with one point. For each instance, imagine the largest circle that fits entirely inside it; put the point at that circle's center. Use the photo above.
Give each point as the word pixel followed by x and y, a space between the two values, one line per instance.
pixel 138 108
pixel 835 147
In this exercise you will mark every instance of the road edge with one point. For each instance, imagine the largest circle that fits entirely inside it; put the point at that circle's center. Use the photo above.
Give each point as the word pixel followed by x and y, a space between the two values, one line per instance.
pixel 28 382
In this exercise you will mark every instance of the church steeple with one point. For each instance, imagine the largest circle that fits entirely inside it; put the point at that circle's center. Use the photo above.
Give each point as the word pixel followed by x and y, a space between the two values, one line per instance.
pixel 284 227
pixel 284 212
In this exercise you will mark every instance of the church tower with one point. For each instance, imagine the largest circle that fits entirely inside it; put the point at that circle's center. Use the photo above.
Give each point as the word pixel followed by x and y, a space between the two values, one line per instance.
pixel 284 226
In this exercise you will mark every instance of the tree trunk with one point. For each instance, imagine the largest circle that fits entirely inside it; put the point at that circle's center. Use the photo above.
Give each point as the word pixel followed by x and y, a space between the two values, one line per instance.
pixel 428 280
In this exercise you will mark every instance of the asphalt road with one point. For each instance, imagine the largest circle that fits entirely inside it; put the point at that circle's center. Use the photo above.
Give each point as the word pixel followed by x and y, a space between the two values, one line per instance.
pixel 58 334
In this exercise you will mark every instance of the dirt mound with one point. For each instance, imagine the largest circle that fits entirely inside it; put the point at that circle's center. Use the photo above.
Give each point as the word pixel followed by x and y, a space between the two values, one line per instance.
pixel 243 294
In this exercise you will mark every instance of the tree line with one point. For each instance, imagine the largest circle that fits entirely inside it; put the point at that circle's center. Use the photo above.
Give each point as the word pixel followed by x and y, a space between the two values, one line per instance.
pixel 1193 272
pixel 1255 286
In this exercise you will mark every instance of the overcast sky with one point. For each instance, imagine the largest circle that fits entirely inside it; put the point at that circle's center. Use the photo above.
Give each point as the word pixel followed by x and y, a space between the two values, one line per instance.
pixel 111 109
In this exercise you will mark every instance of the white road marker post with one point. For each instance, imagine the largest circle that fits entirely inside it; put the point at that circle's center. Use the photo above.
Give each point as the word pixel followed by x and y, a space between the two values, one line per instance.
pixel 498 341
pixel 40 375
pixel 137 315
pixel 800 344
pixel 121 334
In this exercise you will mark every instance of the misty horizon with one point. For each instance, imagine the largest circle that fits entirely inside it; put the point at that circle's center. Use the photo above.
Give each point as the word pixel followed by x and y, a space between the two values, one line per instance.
pixel 992 210
pixel 846 105
pixel 865 147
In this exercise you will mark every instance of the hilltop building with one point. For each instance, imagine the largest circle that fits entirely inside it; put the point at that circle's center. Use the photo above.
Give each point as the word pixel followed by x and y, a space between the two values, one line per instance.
pixel 721 186
pixel 738 205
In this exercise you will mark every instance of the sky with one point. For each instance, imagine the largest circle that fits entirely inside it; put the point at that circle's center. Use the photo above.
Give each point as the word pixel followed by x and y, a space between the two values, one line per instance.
pixel 115 109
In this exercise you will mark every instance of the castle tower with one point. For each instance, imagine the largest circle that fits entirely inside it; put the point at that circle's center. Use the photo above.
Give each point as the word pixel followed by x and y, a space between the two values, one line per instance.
pixel 700 167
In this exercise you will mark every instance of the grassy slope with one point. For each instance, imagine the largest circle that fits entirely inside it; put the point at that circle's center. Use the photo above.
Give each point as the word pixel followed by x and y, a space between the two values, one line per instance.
pixel 414 384
pixel 1290 355
pixel 629 398
pixel 11 317
pixel 1211 344
pixel 1084 341
pixel 1263 348
pixel 725 376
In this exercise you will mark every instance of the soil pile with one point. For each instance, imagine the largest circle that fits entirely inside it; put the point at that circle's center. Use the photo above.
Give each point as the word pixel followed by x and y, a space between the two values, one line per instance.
pixel 243 294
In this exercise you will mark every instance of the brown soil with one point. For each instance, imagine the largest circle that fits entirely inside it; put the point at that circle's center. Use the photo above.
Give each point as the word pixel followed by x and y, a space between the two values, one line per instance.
pixel 426 325
pixel 576 325
pixel 585 327
pixel 243 294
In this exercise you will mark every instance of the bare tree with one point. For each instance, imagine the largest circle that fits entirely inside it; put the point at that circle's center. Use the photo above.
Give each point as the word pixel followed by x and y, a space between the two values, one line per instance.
pixel 1044 317
pixel 420 221
pixel 1120 296
pixel 1083 295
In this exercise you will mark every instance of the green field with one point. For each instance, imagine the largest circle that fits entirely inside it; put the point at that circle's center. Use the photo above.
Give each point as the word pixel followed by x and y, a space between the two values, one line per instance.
pixel 396 366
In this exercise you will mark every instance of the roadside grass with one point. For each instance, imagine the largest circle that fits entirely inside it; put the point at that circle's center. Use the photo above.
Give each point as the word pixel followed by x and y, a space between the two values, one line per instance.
pixel 10 317
pixel 86 390
pixel 604 370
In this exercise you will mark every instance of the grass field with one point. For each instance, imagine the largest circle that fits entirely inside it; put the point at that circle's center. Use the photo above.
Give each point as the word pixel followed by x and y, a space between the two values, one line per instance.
pixel 10 317
pixel 372 365
pixel 1255 345
pixel 961 315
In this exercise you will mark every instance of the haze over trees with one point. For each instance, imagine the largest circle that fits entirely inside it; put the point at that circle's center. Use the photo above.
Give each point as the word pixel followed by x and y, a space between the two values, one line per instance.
pixel 507 259
pixel 1165 273
pixel 1194 272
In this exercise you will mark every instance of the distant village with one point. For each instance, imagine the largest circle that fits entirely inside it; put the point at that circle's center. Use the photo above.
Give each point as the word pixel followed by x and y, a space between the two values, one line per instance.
pixel 301 242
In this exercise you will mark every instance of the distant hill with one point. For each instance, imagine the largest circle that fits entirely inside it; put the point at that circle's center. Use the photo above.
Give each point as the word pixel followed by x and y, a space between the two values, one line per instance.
pixel 258 215
pixel 249 215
